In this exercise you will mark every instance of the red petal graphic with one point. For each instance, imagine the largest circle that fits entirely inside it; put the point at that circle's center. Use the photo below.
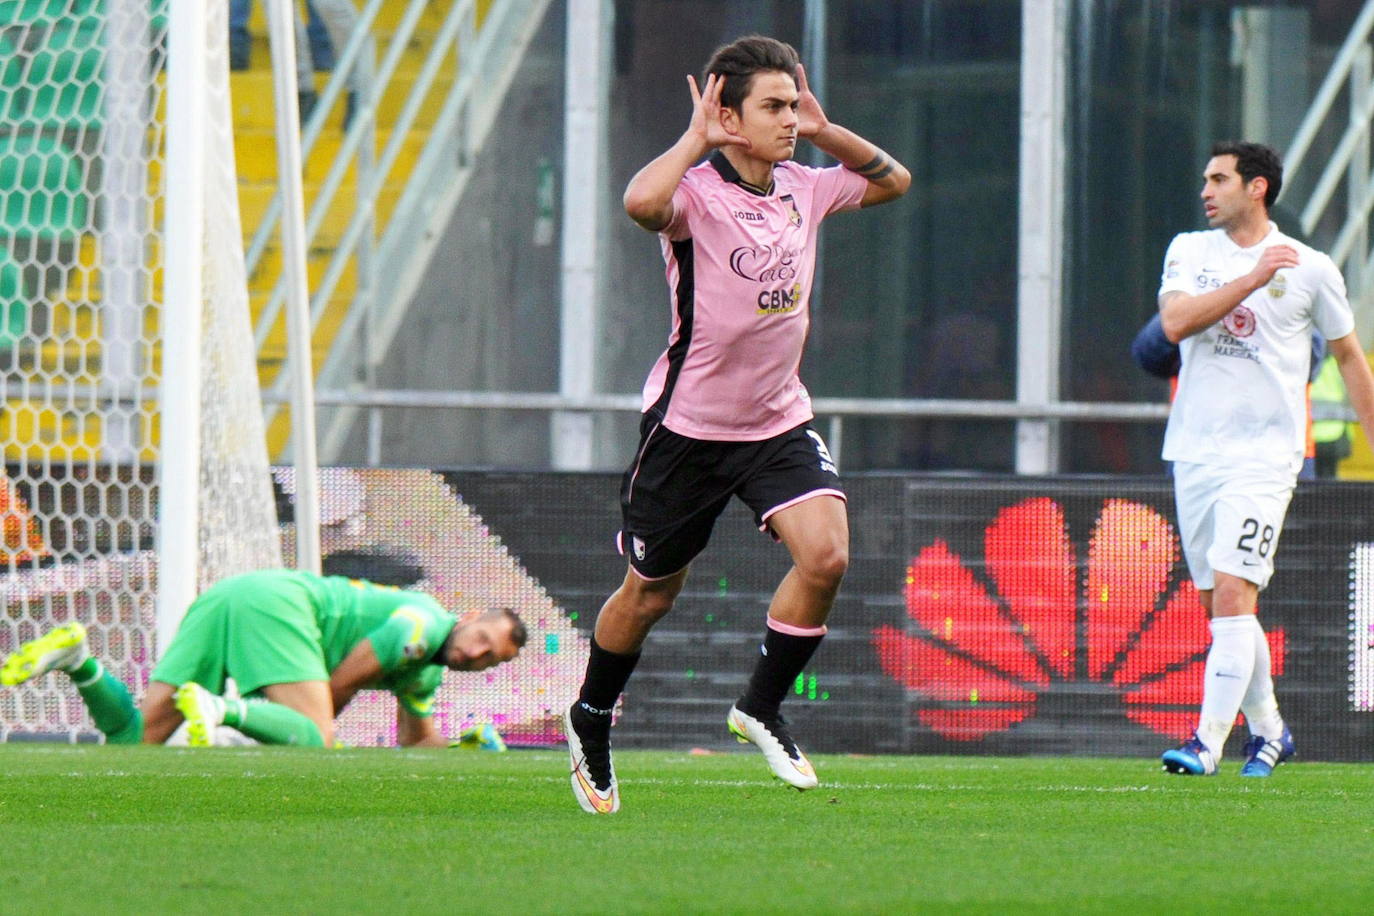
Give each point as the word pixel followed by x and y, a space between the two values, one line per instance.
pixel 971 724
pixel 1130 556
pixel 1177 688
pixel 1177 634
pixel 1169 705
pixel 988 701
pixel 992 681
pixel 1174 694
pixel 1169 723
pixel 1177 697
pixel 1032 562
pixel 943 597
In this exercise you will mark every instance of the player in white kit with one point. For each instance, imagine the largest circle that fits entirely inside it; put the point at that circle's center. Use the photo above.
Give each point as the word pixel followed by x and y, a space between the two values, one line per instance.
pixel 725 413
pixel 1242 300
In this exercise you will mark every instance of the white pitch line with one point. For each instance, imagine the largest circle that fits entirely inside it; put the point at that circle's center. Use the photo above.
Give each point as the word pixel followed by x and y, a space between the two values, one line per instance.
pixel 654 781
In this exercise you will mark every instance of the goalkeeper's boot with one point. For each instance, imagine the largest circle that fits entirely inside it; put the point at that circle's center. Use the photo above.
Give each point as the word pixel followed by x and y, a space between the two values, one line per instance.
pixel 593 776
pixel 770 735
pixel 1190 759
pixel 62 649
pixel 1261 756
pixel 204 713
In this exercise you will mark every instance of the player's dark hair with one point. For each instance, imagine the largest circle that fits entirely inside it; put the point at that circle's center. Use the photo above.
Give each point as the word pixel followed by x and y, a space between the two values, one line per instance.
pixel 742 58
pixel 1255 160
pixel 518 634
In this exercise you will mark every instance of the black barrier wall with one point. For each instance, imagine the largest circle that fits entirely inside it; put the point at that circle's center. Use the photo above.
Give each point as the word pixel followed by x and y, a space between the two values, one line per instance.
pixel 980 615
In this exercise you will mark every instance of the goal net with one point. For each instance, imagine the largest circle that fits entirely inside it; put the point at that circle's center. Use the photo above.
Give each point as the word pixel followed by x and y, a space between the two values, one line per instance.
pixel 83 203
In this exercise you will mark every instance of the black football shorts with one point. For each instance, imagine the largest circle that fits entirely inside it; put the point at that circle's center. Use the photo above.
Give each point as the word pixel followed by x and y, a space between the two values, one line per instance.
pixel 677 487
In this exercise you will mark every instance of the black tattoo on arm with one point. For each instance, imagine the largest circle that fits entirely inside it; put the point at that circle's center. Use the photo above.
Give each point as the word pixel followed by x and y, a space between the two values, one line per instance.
pixel 875 169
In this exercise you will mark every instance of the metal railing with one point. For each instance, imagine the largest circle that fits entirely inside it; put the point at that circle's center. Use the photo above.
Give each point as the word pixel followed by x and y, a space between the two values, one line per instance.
pixel 431 195
pixel 1350 160
pixel 487 53
pixel 831 411
pixel 356 56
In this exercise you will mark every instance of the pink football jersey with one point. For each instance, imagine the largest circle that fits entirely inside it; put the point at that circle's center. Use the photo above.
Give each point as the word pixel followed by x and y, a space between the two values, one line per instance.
pixel 740 265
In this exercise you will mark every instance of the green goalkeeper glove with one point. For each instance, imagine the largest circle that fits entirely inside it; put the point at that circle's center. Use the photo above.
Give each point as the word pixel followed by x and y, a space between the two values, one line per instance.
pixel 483 737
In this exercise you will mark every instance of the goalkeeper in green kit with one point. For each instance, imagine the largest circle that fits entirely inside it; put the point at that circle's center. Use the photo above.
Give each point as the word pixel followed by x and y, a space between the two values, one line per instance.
pixel 298 647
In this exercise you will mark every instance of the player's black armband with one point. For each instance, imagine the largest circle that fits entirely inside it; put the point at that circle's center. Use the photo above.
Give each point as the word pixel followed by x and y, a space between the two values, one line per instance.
pixel 875 169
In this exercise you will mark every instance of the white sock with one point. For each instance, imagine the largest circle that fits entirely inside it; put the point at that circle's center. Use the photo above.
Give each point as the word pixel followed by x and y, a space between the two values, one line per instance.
pixel 1259 705
pixel 1230 665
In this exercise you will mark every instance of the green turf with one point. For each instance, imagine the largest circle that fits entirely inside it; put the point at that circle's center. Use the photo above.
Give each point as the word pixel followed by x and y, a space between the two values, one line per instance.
pixel 275 830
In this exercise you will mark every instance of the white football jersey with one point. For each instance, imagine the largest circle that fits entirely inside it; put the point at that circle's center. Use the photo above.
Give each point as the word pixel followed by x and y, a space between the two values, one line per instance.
pixel 1242 391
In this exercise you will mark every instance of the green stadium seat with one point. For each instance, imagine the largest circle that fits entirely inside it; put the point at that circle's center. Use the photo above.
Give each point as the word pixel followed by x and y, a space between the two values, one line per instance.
pixel 39 12
pixel 64 77
pixel 42 189
pixel 14 302
pixel 13 94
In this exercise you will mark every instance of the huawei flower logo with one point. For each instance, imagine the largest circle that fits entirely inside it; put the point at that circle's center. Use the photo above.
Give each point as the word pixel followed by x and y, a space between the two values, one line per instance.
pixel 981 659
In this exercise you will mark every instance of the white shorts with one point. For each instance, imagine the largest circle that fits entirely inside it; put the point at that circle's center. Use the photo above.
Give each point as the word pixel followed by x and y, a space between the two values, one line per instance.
pixel 1230 520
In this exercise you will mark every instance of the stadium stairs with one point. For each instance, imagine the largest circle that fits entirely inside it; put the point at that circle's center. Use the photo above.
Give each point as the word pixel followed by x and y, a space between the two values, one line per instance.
pixel 256 154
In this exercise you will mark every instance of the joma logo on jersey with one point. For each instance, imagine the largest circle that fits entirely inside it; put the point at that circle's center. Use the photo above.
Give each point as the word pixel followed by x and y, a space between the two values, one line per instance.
pixel 780 301
pixel 748 217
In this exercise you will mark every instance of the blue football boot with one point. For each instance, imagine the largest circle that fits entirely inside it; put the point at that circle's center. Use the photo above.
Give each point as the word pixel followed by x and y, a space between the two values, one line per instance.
pixel 1262 756
pixel 1190 759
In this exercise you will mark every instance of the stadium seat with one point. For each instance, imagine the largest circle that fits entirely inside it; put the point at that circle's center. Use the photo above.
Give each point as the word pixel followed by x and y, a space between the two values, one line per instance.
pixel 44 12
pixel 14 303
pixel 12 89
pixel 63 77
pixel 42 188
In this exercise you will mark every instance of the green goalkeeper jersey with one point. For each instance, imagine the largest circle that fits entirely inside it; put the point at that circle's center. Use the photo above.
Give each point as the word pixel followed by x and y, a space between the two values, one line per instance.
pixel 406 630
pixel 281 626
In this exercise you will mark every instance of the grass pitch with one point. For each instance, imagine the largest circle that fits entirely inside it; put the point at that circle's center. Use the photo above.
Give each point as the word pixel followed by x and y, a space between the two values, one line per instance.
pixel 95 830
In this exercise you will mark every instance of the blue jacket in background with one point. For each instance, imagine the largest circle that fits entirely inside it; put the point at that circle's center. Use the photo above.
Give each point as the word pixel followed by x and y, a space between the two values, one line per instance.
pixel 1154 352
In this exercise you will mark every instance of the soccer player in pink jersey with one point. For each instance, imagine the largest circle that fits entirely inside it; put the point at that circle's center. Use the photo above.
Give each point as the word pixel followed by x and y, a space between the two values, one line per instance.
pixel 725 413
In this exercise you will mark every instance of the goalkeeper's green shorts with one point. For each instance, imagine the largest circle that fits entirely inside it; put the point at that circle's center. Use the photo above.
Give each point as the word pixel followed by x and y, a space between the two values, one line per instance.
pixel 258 630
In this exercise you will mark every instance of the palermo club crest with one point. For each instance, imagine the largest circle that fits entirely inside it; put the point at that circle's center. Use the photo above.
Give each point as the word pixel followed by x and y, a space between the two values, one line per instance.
pixel 793 214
